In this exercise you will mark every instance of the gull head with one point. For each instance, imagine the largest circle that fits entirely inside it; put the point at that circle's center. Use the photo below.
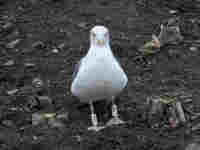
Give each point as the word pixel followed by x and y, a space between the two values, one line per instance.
pixel 99 36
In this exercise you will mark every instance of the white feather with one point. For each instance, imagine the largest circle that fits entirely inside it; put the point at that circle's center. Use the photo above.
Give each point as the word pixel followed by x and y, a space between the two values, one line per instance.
pixel 100 75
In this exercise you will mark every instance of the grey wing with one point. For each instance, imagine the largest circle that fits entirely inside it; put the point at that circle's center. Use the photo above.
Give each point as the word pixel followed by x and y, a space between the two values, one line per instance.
pixel 117 59
pixel 76 69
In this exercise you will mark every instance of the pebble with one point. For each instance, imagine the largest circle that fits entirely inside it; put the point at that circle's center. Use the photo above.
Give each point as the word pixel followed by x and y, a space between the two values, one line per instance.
pixel 37 119
pixel 193 49
pixel 38 44
pixel 55 50
pixel 55 123
pixel 9 63
pixel 63 116
pixel 29 64
pixel 61 46
pixel 13 44
pixel 78 138
pixel 196 127
pixel 37 82
pixel 11 92
pixel 172 11
pixel 8 123
pixel 197 41
pixel 83 25
pixel 7 26
pixel 35 138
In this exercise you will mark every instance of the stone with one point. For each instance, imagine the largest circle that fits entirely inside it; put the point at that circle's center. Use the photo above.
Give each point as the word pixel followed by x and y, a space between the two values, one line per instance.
pixel 193 49
pixel 38 44
pixel 9 63
pixel 13 43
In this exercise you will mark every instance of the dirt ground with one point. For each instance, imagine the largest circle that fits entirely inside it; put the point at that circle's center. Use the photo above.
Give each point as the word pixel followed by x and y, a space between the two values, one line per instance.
pixel 43 39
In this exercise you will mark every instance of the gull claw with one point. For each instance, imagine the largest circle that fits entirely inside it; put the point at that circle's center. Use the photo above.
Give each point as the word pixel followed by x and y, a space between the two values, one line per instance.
pixel 115 121
pixel 96 128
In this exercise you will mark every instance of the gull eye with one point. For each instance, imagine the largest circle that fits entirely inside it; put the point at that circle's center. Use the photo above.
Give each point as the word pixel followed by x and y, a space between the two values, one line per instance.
pixel 93 34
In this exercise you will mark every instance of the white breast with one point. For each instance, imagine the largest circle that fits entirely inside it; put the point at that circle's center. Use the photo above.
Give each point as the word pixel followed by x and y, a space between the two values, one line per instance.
pixel 99 78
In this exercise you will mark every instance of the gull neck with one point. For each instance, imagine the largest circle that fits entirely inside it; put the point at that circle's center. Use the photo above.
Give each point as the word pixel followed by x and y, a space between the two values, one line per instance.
pixel 99 51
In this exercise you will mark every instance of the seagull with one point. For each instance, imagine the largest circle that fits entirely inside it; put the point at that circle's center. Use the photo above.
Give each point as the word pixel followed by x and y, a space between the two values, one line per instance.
pixel 98 75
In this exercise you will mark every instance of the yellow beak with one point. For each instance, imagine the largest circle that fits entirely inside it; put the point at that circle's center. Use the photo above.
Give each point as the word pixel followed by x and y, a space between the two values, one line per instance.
pixel 100 42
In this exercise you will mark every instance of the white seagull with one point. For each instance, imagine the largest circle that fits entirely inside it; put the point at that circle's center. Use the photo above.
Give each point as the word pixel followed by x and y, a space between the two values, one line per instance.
pixel 99 76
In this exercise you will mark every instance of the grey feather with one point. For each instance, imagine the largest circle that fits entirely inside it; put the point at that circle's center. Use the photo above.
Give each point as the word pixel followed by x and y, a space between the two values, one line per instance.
pixel 76 69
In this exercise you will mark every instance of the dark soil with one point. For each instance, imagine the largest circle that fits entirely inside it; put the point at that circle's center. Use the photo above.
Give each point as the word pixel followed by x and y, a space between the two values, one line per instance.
pixel 31 29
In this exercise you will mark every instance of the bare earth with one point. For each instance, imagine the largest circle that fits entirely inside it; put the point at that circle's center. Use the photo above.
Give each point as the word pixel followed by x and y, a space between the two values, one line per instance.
pixel 44 39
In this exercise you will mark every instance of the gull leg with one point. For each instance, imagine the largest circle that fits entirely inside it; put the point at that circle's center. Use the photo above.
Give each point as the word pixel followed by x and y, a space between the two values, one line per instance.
pixel 115 120
pixel 94 120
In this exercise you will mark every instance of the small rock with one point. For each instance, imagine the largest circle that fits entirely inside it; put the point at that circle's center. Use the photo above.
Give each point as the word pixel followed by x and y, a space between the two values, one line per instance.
pixel 29 64
pixel 37 119
pixel 188 100
pixel 11 92
pixel 37 83
pixel 63 116
pixel 35 138
pixel 9 63
pixel 78 138
pixel 55 123
pixel 197 41
pixel 172 11
pixel 193 49
pixel 55 50
pixel 61 46
pixel 20 8
pixel 83 25
pixel 8 123
pixel 38 44
pixel 13 44
pixel 196 127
